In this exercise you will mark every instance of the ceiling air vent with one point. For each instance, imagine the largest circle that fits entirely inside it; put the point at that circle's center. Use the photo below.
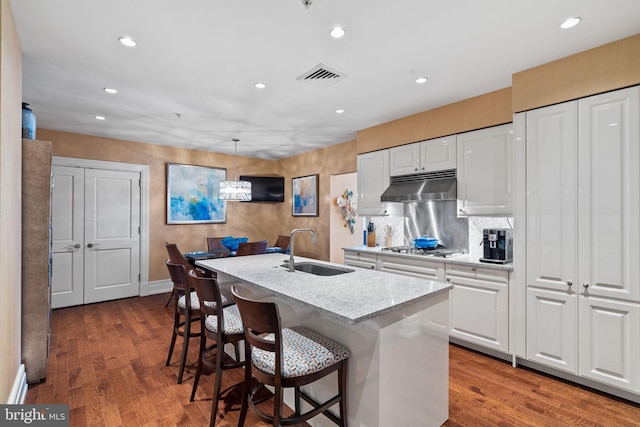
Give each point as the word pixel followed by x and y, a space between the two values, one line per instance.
pixel 321 76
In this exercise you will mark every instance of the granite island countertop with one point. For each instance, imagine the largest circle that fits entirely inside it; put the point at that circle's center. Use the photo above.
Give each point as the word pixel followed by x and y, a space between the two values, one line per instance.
pixel 351 297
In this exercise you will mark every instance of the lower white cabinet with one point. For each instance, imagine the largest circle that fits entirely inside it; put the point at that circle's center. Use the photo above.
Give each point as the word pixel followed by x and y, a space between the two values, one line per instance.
pixel 361 259
pixel 609 342
pixel 420 268
pixel 552 329
pixel 479 306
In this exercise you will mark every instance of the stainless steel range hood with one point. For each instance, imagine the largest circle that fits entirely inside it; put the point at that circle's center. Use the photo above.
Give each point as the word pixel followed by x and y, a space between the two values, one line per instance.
pixel 440 185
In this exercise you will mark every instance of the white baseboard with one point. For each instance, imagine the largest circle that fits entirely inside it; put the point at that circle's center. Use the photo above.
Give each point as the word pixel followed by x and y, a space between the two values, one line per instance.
pixel 157 287
pixel 19 390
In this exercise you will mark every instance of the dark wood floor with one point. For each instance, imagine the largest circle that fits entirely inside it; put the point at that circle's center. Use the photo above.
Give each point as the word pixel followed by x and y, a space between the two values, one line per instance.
pixel 107 362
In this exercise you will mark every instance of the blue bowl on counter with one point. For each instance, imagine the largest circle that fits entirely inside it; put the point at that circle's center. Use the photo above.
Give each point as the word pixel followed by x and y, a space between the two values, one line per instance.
pixel 425 242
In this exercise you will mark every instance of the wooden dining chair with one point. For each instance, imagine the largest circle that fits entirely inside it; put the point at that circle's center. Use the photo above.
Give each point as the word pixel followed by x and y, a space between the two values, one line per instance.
pixel 220 325
pixel 282 242
pixel 176 257
pixel 215 243
pixel 287 358
pixel 252 248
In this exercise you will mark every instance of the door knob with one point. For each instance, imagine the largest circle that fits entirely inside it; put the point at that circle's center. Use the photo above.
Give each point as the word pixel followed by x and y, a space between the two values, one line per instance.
pixel 77 246
pixel 90 245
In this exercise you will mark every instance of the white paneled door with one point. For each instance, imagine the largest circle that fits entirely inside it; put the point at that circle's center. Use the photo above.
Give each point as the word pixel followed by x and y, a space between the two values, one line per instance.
pixel 96 235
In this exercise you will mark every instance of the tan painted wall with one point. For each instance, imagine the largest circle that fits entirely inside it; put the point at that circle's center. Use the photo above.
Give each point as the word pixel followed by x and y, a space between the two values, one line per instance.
pixel 608 67
pixel 10 199
pixel 257 221
pixel 482 111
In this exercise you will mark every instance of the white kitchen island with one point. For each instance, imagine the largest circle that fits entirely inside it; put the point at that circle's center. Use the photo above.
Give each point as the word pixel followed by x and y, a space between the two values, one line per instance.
pixel 394 326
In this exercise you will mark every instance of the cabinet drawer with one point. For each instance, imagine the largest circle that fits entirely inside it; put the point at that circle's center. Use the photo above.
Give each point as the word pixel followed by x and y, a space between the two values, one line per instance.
pixel 361 259
pixel 478 273
pixel 423 269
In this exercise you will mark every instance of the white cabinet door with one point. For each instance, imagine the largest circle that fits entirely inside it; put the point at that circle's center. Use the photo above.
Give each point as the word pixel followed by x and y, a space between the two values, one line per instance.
pixel 484 159
pixel 373 179
pixel 609 195
pixel 404 160
pixel 610 342
pixel 552 333
pixel 479 308
pixel 551 148
pixel 438 154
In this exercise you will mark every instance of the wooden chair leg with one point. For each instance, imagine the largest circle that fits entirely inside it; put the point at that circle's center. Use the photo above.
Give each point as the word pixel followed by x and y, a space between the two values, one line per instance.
pixel 342 386
pixel 170 298
pixel 173 338
pixel 218 384
pixel 277 407
pixel 185 348
pixel 246 387
pixel 203 349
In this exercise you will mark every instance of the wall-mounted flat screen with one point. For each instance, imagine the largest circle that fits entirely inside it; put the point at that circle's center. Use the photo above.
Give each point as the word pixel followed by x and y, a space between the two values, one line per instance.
pixel 265 189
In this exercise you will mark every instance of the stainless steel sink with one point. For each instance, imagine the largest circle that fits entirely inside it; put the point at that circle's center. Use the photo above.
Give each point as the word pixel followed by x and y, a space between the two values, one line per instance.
pixel 319 269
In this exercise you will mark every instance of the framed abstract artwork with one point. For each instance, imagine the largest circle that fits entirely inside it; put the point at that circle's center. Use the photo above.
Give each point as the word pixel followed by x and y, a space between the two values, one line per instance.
pixel 193 194
pixel 305 195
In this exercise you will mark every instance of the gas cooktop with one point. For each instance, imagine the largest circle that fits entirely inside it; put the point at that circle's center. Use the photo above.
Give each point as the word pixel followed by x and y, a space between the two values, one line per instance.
pixel 439 251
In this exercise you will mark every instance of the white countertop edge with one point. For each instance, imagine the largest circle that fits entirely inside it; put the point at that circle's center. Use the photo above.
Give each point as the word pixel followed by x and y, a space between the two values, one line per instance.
pixel 464 259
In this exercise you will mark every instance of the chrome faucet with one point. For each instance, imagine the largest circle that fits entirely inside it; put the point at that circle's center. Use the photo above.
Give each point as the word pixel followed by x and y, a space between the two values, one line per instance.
pixel 313 240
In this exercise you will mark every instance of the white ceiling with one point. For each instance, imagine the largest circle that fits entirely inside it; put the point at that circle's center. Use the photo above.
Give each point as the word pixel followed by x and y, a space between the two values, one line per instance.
pixel 189 82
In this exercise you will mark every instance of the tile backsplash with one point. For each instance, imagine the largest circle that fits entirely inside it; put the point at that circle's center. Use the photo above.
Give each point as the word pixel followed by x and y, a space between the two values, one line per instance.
pixel 476 225
pixel 395 222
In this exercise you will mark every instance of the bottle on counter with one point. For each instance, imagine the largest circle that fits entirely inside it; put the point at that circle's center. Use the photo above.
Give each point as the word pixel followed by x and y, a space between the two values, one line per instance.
pixel 28 122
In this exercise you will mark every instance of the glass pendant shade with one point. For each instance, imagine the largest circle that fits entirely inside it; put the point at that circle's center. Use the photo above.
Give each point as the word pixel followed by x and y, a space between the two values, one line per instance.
pixel 235 190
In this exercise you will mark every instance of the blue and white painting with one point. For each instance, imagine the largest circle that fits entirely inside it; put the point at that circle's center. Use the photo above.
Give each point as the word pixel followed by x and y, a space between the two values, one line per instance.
pixel 193 194
pixel 305 195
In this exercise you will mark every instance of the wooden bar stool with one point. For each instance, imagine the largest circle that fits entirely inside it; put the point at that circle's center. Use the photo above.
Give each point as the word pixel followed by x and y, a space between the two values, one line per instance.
pixel 290 357
pixel 186 311
pixel 221 325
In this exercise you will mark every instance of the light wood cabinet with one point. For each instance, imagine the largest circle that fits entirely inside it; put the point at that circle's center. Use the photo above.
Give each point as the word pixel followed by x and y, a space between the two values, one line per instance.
pixel 426 156
pixel 484 160
pixel 479 305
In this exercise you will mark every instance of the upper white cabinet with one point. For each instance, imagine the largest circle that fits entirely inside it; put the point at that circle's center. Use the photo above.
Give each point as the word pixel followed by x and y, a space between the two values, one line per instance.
pixel 583 237
pixel 373 179
pixel 484 159
pixel 426 156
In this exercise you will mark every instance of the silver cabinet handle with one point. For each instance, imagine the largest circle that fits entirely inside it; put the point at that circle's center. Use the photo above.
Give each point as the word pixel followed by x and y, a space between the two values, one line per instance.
pixel 585 285
pixel 569 284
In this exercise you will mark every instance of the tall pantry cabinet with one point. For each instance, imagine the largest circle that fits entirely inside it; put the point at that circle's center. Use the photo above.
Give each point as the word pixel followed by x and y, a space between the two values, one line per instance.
pixel 583 237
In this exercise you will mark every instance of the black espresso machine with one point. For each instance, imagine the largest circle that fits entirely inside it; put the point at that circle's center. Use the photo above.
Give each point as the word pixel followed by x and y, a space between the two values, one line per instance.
pixel 498 245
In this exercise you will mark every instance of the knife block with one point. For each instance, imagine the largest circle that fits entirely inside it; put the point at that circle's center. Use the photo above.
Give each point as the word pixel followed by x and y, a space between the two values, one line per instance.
pixel 371 239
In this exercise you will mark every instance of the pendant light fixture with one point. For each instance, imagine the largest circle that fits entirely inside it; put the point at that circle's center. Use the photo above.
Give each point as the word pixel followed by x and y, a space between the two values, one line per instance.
pixel 235 190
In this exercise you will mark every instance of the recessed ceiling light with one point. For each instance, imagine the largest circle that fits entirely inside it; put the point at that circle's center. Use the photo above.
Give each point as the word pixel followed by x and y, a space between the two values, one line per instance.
pixel 127 41
pixel 570 22
pixel 101 118
pixel 337 32
pixel 421 80
pixel 339 111
pixel 110 90
pixel 260 85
